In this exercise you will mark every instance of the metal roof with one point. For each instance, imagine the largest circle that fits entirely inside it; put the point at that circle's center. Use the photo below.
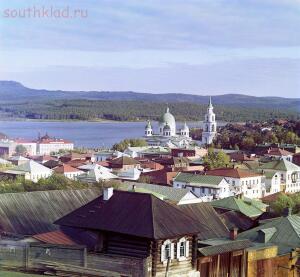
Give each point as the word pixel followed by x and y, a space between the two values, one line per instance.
pixel 281 165
pixel 219 246
pixel 135 214
pixel 169 193
pixel 249 208
pixel 31 213
pixel 198 179
pixel 285 232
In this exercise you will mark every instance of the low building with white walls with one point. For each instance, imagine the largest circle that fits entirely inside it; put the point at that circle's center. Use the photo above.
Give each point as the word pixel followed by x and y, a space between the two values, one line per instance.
pixel 205 187
pixel 289 174
pixel 245 182
pixel 272 182
pixel 68 171
pixel 30 170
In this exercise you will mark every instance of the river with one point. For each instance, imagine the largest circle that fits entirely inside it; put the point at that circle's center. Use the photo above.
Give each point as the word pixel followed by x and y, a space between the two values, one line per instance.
pixel 82 133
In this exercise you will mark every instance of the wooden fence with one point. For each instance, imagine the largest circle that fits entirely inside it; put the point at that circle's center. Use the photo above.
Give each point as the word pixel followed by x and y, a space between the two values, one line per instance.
pixel 45 257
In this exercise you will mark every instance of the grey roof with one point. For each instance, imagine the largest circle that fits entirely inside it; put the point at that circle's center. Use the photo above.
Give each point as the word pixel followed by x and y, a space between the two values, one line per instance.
pixel 219 246
pixel 170 193
pixel 280 165
pixel 31 213
pixel 283 231
pixel 197 179
pixel 206 214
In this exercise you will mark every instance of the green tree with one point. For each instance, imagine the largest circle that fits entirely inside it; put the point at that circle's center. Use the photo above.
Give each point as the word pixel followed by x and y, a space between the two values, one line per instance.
pixel 216 160
pixel 121 146
pixel 282 202
pixel 20 149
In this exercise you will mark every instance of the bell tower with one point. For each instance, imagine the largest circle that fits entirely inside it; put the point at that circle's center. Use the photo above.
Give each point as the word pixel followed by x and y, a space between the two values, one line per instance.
pixel 209 125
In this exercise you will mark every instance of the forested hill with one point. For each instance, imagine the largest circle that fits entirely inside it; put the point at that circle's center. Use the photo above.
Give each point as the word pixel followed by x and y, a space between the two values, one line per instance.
pixel 14 91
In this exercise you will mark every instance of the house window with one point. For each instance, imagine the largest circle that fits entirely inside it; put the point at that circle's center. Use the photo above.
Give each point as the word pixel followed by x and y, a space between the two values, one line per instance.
pixel 167 251
pixel 182 249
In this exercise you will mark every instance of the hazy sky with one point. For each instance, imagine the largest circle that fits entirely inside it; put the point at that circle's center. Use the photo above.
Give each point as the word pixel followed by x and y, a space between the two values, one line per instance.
pixel 189 46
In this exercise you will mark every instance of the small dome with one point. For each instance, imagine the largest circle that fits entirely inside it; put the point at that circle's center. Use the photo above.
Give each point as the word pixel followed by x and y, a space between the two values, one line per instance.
pixel 185 127
pixel 148 125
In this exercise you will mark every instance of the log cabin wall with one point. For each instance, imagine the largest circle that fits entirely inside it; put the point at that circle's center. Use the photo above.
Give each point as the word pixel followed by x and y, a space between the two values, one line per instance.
pixel 223 265
pixel 176 267
pixel 118 244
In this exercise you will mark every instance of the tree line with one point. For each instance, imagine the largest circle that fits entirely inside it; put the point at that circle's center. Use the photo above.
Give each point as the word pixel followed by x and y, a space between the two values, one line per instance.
pixel 134 111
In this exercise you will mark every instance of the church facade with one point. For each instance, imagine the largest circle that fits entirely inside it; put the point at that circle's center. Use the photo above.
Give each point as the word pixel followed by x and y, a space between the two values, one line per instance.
pixel 168 135
pixel 209 125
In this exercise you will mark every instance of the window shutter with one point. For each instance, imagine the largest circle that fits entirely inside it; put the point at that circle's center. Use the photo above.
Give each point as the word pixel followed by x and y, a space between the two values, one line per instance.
pixel 178 250
pixel 172 250
pixel 187 248
pixel 162 253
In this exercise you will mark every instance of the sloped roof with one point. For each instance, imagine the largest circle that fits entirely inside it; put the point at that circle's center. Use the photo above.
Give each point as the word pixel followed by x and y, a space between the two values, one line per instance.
pixel 18 158
pixel 31 167
pixel 219 246
pixel 281 165
pixel 169 193
pixel 65 168
pixel 205 213
pixel 124 160
pixel 31 213
pixel 198 179
pixel 248 208
pixel 97 173
pixel 136 214
pixel 232 173
pixel 278 152
pixel 55 237
pixel 287 232
pixel 234 219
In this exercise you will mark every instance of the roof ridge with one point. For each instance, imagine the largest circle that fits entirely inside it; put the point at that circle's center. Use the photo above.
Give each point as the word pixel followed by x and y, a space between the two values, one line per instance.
pixel 152 215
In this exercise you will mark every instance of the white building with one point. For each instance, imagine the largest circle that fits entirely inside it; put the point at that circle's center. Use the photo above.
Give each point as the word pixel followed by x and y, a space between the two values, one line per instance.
pixel 289 174
pixel 167 134
pixel 68 171
pixel 205 187
pixel 31 170
pixel 96 173
pixel 272 182
pixel 47 145
pixel 28 144
pixel 209 125
pixel 242 181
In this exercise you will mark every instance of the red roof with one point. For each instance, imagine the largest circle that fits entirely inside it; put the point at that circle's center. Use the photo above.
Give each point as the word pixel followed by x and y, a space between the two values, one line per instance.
pixel 278 152
pixel 65 168
pixel 55 237
pixel 53 141
pixel 232 173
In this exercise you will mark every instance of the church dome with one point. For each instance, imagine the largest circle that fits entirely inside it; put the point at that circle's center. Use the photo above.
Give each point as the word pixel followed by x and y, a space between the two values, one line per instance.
pixel 185 127
pixel 148 125
pixel 168 118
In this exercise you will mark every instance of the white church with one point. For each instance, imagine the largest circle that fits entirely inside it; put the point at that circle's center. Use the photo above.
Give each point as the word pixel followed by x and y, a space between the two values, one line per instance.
pixel 168 135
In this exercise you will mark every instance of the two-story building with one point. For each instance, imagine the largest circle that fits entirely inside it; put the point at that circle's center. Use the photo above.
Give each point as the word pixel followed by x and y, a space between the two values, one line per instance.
pixel 204 186
pixel 242 181
pixel 288 171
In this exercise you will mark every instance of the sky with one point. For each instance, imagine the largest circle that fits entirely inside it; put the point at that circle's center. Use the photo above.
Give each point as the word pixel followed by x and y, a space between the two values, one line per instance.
pixel 205 47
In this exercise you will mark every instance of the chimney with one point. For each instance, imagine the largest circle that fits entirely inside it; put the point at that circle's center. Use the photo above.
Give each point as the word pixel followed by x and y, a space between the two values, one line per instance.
pixel 233 233
pixel 108 193
pixel 287 211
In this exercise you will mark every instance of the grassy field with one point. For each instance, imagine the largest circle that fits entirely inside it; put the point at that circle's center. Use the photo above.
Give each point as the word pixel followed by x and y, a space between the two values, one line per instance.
pixel 16 274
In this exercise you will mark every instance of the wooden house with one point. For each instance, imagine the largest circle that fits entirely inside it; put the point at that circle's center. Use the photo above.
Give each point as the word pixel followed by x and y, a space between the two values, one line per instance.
pixel 171 239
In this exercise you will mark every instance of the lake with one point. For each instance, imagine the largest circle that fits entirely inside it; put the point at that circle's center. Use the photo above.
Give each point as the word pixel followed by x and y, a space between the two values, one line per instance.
pixel 82 133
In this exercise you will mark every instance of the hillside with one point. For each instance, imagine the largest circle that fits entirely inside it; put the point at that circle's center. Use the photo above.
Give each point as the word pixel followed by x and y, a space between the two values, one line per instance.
pixel 14 91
